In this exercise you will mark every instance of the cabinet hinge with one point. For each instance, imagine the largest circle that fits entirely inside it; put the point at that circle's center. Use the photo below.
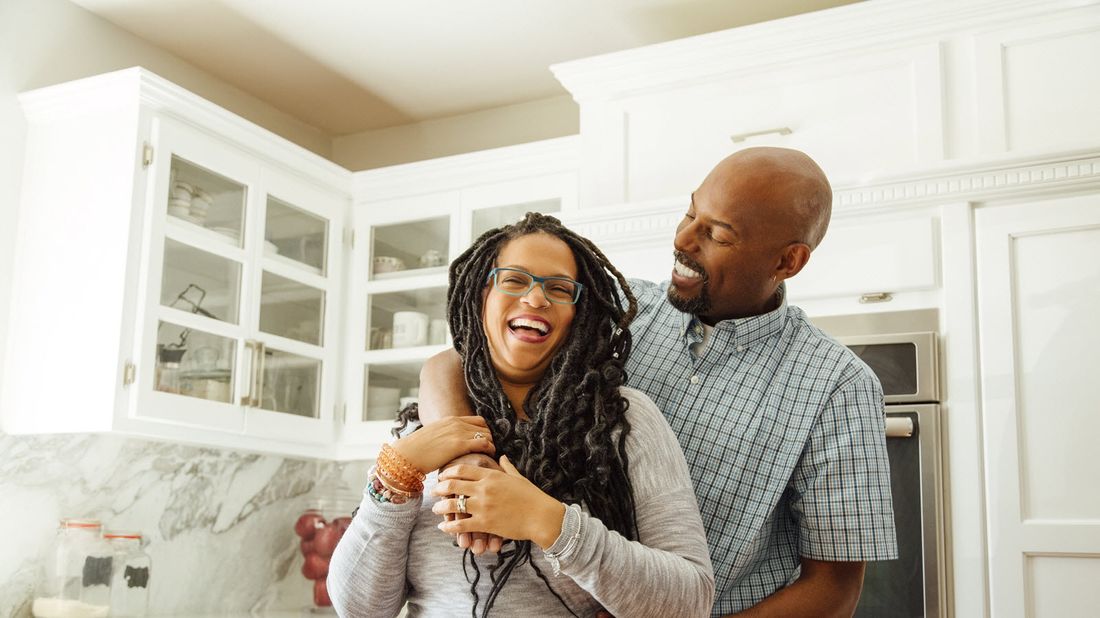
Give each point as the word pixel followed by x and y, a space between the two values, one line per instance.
pixel 129 372
pixel 146 155
pixel 349 237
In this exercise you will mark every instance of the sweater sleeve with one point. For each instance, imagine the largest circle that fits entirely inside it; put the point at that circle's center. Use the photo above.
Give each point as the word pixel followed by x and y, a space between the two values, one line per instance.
pixel 668 570
pixel 366 574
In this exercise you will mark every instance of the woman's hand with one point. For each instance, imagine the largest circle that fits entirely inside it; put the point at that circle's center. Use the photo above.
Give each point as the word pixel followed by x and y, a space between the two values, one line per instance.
pixel 477 542
pixel 432 446
pixel 502 503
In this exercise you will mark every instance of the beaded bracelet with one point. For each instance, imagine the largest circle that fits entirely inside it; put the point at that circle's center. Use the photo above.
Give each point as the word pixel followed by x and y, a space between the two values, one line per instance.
pixel 398 469
pixel 389 484
pixel 405 482
pixel 381 493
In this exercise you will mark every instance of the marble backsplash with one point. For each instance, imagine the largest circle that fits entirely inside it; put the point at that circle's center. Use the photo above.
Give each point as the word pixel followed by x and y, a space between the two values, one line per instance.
pixel 218 523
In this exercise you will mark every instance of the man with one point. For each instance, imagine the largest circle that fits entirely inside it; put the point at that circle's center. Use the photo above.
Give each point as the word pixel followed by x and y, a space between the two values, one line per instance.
pixel 782 427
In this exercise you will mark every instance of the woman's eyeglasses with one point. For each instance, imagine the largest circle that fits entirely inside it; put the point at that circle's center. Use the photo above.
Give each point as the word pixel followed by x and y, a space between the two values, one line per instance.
pixel 515 282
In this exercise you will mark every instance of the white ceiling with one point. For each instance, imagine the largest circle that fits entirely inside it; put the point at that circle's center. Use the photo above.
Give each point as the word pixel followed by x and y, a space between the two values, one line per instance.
pixel 346 66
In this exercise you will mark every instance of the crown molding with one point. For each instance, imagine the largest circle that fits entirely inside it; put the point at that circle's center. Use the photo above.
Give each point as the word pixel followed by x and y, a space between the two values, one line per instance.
pixel 979 181
pixel 552 156
pixel 863 27
pixel 137 87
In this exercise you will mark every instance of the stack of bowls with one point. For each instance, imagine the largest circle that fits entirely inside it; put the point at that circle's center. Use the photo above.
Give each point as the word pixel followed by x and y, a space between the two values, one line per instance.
pixel 179 201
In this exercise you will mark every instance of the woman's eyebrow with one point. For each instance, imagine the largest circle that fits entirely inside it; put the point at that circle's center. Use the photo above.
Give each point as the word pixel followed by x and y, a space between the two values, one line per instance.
pixel 528 270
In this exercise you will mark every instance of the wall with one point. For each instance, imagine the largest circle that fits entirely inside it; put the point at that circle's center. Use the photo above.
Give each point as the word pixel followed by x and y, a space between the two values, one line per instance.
pixel 492 128
pixel 218 524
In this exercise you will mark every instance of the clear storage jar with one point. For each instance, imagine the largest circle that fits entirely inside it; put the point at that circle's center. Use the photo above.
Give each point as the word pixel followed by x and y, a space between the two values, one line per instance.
pixel 76 581
pixel 130 575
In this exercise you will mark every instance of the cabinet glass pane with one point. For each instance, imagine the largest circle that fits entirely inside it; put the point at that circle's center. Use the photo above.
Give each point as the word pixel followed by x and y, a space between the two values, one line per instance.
pixel 489 218
pixel 407 319
pixel 194 363
pixel 291 383
pixel 296 234
pixel 200 282
pixel 291 309
pixel 388 389
pixel 410 246
pixel 205 198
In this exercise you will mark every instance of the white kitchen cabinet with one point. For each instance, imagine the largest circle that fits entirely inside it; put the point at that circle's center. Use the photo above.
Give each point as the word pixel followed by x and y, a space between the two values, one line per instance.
pixel 410 222
pixel 179 273
pixel 1038 283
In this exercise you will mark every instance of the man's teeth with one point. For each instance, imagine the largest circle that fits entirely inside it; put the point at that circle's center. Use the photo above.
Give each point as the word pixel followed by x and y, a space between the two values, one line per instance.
pixel 684 271
pixel 520 322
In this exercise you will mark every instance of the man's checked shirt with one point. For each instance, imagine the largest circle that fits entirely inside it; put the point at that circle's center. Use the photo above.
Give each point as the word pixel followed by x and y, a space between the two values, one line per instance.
pixel 783 431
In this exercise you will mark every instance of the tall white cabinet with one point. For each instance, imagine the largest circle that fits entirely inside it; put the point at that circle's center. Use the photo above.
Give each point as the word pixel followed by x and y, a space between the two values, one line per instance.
pixel 1038 271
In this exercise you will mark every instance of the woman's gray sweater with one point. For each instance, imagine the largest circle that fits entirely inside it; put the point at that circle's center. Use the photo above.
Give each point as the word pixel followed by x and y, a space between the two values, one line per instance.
pixel 394 553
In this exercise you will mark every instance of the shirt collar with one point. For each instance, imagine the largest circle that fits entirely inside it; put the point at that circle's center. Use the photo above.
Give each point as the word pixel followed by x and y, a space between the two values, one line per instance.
pixel 740 331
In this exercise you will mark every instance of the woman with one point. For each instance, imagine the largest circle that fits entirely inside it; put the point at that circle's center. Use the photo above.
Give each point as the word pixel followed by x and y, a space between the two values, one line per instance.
pixel 592 488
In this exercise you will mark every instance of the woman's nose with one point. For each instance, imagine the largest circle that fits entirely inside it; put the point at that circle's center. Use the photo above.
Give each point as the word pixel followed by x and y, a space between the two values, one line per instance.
pixel 536 296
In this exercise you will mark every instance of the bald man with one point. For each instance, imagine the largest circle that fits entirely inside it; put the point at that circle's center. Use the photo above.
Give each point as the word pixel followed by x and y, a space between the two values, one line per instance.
pixel 782 427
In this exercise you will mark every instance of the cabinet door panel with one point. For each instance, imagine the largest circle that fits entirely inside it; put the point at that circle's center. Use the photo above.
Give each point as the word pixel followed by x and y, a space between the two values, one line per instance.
pixel 1038 285
pixel 856 118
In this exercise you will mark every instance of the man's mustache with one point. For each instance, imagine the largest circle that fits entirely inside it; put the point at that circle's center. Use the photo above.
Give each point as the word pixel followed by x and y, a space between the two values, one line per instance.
pixel 683 258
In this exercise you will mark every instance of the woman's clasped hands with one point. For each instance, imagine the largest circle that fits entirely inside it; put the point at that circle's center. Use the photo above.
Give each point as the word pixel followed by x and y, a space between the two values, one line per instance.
pixel 500 502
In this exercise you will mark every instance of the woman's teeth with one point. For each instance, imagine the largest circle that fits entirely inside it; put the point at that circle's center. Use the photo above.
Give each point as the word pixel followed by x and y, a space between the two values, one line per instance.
pixel 684 271
pixel 532 324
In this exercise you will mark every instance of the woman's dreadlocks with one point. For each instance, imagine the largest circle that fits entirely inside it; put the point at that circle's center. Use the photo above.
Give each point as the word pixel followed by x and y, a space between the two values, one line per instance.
pixel 573 445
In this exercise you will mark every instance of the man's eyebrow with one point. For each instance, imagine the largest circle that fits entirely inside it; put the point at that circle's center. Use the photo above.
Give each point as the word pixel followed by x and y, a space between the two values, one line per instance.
pixel 712 220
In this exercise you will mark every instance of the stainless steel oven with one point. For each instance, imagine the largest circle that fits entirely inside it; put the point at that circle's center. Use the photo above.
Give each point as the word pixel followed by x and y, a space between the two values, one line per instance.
pixel 907 365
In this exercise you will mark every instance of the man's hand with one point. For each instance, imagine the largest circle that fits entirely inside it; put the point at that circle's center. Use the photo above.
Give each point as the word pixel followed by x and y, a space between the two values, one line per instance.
pixel 477 542
pixel 824 589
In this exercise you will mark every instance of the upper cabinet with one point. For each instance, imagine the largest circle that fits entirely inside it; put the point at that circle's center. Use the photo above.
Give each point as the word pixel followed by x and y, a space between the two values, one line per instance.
pixel 410 222
pixel 179 273
pixel 870 91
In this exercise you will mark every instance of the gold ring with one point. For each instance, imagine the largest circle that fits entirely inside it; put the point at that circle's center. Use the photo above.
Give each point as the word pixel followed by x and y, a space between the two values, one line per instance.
pixel 462 504
pixel 478 435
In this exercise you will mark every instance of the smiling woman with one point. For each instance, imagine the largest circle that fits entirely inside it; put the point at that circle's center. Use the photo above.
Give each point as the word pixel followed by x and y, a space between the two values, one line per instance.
pixel 590 484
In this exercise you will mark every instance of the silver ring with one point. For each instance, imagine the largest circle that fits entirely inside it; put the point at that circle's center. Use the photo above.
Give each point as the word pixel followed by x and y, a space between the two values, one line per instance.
pixel 478 435
pixel 462 504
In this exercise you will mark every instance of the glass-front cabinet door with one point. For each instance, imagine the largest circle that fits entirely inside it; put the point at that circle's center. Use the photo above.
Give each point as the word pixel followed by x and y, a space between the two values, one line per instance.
pixel 241 289
pixel 399 286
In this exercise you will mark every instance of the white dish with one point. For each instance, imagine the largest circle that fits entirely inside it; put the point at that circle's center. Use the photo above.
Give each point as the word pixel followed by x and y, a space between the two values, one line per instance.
pixel 179 211
pixel 387 264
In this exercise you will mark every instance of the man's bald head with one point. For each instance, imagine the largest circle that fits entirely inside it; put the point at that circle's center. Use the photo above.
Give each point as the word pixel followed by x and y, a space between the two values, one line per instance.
pixel 786 181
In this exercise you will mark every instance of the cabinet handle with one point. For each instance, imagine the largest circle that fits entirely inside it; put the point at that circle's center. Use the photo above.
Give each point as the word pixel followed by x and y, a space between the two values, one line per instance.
pixel 737 138
pixel 875 297
pixel 249 398
pixel 261 354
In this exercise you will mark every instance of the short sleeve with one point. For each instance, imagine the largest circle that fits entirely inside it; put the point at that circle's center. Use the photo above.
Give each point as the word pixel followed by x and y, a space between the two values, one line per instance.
pixel 841 500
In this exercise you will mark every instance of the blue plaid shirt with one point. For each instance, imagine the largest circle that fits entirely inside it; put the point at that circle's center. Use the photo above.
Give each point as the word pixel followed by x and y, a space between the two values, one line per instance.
pixel 783 429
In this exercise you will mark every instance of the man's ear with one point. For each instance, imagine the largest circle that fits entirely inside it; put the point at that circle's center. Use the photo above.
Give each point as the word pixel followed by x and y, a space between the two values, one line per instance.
pixel 794 259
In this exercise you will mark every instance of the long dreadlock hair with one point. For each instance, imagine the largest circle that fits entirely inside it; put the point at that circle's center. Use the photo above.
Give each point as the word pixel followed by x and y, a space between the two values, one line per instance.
pixel 573 447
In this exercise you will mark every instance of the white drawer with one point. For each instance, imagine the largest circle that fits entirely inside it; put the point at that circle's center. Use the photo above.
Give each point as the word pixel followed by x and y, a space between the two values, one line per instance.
pixel 856 117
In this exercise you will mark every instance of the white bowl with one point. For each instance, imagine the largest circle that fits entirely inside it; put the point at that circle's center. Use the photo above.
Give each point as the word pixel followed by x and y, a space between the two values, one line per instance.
pixel 183 191
pixel 387 264
pixel 179 211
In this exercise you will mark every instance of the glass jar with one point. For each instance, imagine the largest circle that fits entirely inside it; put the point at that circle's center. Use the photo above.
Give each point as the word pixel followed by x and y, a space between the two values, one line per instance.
pixel 77 576
pixel 319 529
pixel 130 575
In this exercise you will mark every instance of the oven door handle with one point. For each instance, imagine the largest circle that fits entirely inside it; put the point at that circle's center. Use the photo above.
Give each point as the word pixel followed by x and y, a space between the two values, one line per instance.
pixel 899 427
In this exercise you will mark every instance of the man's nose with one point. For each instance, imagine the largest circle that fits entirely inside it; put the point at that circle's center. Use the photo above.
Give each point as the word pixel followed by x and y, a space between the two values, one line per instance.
pixel 685 239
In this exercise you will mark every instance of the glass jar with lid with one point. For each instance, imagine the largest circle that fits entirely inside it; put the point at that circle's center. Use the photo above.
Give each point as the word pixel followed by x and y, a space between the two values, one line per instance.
pixel 319 528
pixel 130 575
pixel 77 576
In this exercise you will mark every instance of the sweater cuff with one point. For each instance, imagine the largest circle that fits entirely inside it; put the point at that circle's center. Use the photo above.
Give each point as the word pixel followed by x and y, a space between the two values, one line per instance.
pixel 568 541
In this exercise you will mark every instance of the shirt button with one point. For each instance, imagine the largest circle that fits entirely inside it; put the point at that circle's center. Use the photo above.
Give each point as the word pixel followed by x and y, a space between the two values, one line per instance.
pixel 694 379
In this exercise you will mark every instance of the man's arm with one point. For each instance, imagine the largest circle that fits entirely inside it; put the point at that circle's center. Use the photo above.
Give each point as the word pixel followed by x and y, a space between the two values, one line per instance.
pixel 822 589
pixel 443 388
